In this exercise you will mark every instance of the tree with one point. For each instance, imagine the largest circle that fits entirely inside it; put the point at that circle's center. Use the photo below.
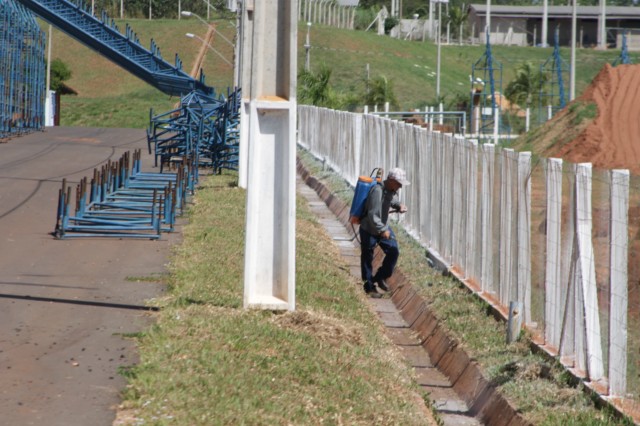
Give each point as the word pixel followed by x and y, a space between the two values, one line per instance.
pixel 457 17
pixel 314 88
pixel 380 91
pixel 60 73
pixel 525 87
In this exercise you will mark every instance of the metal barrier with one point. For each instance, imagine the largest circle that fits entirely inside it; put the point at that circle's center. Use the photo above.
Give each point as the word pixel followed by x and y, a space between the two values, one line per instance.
pixel 22 71
pixel 123 202
pixel 203 129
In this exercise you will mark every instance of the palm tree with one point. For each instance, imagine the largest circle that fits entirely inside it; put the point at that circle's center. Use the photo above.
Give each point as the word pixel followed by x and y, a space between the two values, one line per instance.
pixel 457 17
pixel 313 87
pixel 380 91
pixel 525 87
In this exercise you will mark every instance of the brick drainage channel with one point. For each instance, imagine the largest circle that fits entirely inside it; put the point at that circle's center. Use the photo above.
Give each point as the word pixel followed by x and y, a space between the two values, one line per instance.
pixel 456 387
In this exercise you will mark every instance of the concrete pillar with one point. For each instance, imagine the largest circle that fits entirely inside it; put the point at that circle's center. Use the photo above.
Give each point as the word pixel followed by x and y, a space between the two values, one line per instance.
pixel 269 90
pixel 585 270
pixel 553 260
pixel 524 234
pixel 486 227
pixel 618 282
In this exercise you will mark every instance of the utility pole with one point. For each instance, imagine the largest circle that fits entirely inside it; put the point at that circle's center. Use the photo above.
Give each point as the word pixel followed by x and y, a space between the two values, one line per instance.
pixel 307 48
pixel 602 26
pixel 268 128
pixel 572 73
pixel 439 35
pixel 545 18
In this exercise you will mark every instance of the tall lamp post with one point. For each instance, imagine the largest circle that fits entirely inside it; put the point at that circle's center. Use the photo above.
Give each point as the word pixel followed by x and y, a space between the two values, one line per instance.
pixel 190 35
pixel 307 48
pixel 188 14
pixel 439 45
pixel 572 72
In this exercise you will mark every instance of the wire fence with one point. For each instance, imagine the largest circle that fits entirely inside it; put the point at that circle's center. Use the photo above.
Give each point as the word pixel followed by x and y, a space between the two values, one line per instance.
pixel 559 238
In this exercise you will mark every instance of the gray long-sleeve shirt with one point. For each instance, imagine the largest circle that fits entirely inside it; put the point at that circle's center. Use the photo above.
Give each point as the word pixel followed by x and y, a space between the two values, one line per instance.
pixel 379 201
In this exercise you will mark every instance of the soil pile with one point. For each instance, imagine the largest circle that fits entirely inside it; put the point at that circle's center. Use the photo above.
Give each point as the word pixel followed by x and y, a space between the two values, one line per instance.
pixel 612 139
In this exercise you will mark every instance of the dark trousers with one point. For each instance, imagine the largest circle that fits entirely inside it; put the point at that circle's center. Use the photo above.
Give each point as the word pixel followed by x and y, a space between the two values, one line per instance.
pixel 391 251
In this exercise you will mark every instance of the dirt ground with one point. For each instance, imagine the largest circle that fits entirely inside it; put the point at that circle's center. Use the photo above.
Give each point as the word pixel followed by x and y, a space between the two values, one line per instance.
pixel 66 306
pixel 611 140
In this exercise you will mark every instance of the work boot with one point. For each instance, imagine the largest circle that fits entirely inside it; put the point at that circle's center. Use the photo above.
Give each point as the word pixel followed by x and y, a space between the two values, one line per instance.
pixel 382 284
pixel 370 289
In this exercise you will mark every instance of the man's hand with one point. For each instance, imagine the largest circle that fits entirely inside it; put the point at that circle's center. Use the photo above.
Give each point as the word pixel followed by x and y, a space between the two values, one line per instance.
pixel 399 209
pixel 386 234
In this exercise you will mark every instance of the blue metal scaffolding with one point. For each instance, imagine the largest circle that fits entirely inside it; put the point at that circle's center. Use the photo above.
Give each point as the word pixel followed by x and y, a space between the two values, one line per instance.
pixel 203 129
pixel 22 71
pixel 624 58
pixel 486 82
pixel 554 72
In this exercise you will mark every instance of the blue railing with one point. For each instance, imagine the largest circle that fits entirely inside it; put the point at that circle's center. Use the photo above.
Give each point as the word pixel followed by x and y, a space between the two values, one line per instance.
pixel 22 71
pixel 103 36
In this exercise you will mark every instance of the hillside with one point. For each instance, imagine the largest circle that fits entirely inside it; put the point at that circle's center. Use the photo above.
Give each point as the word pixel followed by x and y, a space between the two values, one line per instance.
pixel 411 67
pixel 599 127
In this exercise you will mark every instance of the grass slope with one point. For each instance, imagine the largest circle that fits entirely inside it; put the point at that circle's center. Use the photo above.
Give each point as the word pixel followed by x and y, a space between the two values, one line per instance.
pixel 109 96
pixel 208 361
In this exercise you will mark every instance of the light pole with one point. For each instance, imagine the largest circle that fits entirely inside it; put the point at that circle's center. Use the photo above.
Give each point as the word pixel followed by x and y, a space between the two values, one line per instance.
pixel 188 14
pixel 190 35
pixel 439 47
pixel 572 73
pixel 415 25
pixel 307 48
pixel 545 19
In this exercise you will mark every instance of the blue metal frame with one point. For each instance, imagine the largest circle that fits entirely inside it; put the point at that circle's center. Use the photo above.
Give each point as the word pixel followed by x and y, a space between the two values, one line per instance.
pixel 487 66
pixel 103 36
pixel 203 129
pixel 552 87
pixel 121 201
pixel 22 71
pixel 624 58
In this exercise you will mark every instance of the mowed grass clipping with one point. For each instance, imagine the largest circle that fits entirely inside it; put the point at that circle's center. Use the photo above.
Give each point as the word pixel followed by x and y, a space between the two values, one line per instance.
pixel 208 361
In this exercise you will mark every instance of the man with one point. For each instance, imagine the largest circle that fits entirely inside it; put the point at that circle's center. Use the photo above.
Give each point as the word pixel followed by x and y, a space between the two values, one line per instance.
pixel 375 231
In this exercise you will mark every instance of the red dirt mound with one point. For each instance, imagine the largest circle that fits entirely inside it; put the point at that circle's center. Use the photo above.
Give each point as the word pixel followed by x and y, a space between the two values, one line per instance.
pixel 611 141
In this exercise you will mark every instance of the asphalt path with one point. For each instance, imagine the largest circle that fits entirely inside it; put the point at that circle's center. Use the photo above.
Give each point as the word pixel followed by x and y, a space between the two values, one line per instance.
pixel 67 306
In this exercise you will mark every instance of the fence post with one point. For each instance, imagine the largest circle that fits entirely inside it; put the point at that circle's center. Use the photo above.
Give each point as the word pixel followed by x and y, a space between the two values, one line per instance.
pixel 488 157
pixel 447 196
pixel 524 234
pixel 472 249
pixel 459 194
pixel 618 285
pixel 514 322
pixel 358 141
pixel 507 222
pixel 587 272
pixel 553 304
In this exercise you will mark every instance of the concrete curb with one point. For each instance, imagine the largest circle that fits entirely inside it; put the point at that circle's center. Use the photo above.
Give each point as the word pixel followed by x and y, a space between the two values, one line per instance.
pixel 484 400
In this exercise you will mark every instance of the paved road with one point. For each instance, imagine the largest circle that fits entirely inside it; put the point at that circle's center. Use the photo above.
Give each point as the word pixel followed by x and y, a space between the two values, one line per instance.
pixel 65 304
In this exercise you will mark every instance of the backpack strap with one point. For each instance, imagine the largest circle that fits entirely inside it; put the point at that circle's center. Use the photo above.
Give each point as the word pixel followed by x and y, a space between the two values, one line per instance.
pixel 365 211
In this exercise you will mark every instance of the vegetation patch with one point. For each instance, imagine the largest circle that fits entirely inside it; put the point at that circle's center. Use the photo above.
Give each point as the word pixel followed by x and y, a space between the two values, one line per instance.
pixel 210 361
pixel 583 111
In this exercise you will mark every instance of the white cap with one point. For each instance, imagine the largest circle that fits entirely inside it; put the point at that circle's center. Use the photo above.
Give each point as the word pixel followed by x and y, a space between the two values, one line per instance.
pixel 399 176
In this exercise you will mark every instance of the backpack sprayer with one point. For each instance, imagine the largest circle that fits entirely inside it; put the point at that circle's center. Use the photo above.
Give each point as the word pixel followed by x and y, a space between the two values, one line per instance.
pixel 361 193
